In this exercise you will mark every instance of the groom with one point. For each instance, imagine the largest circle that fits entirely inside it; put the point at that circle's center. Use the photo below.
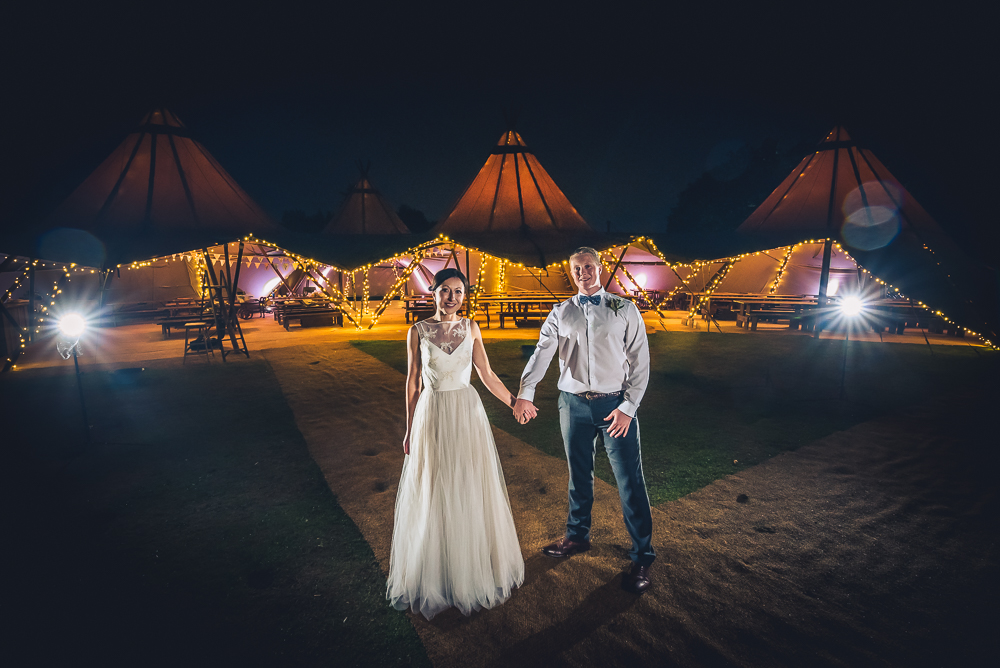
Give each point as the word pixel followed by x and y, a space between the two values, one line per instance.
pixel 603 373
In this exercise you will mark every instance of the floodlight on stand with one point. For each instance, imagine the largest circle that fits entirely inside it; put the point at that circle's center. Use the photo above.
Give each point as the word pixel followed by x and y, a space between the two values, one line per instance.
pixel 71 327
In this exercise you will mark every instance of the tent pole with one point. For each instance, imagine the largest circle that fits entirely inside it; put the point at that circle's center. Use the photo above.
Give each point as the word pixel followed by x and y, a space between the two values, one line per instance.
pixel 275 270
pixel 215 293
pixel 824 275
pixel 105 275
pixel 539 277
pixel 824 280
pixel 345 307
pixel 403 280
pixel 31 300
pixel 233 317
pixel 615 269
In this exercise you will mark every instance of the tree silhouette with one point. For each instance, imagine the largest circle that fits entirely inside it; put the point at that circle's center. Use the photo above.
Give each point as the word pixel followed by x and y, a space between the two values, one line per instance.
pixel 719 200
pixel 299 221
pixel 414 219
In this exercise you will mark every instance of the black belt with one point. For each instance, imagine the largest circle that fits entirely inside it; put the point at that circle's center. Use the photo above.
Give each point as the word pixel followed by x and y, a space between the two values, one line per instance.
pixel 590 396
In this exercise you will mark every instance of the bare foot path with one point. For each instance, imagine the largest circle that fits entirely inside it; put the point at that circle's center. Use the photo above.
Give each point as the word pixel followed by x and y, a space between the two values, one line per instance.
pixel 873 546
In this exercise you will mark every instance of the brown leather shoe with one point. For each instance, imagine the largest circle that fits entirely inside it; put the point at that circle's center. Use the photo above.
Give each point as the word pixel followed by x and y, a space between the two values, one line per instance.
pixel 637 580
pixel 564 547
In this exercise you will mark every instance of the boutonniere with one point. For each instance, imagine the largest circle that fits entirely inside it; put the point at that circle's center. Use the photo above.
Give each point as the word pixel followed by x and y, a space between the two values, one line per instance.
pixel 615 304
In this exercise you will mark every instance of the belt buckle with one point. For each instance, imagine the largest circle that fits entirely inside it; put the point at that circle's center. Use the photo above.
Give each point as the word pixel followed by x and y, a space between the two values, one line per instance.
pixel 590 396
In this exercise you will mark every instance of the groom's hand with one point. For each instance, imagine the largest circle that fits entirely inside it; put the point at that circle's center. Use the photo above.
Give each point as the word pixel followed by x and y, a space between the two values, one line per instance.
pixel 619 423
pixel 524 410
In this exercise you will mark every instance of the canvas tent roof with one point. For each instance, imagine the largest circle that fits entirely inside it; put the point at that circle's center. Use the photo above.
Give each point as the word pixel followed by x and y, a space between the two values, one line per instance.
pixel 842 191
pixel 159 192
pixel 365 211
pixel 514 209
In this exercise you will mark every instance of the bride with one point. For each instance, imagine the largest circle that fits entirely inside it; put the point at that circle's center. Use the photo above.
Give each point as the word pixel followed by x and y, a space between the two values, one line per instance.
pixel 453 541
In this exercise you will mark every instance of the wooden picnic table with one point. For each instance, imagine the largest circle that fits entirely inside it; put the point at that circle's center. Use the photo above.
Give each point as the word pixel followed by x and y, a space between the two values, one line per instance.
pixel 179 315
pixel 896 315
pixel 522 307
pixel 308 312
pixel 796 310
pixel 418 307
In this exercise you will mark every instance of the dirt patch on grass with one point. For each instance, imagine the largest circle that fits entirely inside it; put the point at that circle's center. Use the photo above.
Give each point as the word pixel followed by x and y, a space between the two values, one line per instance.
pixel 874 545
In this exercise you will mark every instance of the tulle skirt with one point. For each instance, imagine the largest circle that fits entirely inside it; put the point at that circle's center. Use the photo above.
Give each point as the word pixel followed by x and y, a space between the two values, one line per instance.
pixel 453 541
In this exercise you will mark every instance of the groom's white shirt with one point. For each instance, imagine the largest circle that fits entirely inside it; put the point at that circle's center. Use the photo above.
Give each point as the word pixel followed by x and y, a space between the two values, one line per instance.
pixel 599 350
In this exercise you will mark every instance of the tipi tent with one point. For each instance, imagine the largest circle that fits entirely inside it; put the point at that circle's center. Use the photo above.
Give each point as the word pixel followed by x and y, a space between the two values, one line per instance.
pixel 159 192
pixel 515 210
pixel 842 192
pixel 365 211
pixel 511 193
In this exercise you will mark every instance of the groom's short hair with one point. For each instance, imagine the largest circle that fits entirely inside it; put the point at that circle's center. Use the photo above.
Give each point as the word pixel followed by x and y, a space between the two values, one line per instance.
pixel 587 250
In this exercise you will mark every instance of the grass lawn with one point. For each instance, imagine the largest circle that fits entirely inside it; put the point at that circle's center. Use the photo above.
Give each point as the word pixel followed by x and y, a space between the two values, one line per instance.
pixel 717 404
pixel 194 530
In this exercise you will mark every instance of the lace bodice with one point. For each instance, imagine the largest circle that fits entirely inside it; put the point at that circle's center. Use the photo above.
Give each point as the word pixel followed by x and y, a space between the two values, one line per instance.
pixel 445 354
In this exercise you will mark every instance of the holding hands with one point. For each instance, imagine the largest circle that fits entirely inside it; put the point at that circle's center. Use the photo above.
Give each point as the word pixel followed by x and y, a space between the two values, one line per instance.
pixel 524 411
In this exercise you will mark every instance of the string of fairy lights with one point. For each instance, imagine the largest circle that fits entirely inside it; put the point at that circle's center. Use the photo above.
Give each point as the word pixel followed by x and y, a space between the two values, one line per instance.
pixel 346 296
pixel 781 269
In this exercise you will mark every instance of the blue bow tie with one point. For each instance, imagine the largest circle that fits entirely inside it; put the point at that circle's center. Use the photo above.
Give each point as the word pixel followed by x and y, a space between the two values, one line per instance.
pixel 595 300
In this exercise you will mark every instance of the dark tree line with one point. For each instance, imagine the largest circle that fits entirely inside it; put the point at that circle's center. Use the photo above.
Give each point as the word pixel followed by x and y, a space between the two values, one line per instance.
pixel 719 200
pixel 414 219
pixel 300 221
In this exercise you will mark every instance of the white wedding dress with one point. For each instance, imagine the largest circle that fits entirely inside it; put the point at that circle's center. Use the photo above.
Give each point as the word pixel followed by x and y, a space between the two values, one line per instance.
pixel 453 541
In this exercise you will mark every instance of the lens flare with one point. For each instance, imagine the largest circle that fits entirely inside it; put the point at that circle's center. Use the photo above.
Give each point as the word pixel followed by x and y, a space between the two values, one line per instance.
pixel 270 285
pixel 72 325
pixel 641 279
pixel 871 215
pixel 851 306
pixel 873 194
pixel 871 227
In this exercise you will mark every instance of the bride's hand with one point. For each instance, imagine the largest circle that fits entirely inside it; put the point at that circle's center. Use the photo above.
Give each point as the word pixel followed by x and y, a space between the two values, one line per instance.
pixel 524 411
pixel 406 444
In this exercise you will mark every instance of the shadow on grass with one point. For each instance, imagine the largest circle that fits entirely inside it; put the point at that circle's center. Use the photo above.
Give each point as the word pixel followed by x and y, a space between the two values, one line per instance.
pixel 717 404
pixel 194 530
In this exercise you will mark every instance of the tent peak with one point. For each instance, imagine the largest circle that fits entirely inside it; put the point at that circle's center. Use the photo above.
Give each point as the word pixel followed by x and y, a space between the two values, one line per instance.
pixel 163 117
pixel 364 210
pixel 364 168
pixel 837 135
pixel 513 193
pixel 511 142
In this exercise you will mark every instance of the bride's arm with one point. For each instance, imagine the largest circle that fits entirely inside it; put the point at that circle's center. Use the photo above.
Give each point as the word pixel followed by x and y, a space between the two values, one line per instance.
pixel 412 381
pixel 486 374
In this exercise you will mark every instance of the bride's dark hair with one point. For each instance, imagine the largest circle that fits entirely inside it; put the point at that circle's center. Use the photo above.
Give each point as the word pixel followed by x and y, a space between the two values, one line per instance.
pixel 445 274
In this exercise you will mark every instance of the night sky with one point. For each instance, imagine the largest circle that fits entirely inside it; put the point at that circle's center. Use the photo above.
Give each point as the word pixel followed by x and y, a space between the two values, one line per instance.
pixel 624 105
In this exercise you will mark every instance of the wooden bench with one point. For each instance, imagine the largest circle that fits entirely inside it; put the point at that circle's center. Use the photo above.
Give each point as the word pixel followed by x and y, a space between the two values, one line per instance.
pixel 167 323
pixel 751 317
pixel 309 317
pixel 140 312
pixel 418 307
pixel 520 310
